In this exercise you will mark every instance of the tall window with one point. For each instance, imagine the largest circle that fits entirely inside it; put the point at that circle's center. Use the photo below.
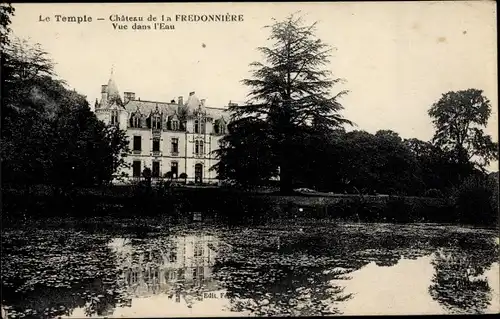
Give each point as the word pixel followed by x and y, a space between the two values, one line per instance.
pixel 156 145
pixel 172 256
pixel 198 147
pixel 198 250
pixel 202 127
pixel 114 117
pixel 175 125
pixel 137 143
pixel 175 145
pixel 174 168
pixel 136 168
pixel 197 126
pixel 156 169
pixel 156 122
pixel 136 121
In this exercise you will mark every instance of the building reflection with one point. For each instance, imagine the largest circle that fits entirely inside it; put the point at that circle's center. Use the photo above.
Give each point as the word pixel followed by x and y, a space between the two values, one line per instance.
pixel 179 266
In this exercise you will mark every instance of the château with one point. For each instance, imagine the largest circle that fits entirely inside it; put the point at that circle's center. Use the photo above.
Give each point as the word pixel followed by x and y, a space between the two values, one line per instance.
pixel 177 136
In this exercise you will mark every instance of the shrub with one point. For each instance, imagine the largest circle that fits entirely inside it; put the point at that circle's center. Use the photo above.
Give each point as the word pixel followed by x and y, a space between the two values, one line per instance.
pixel 436 193
pixel 474 202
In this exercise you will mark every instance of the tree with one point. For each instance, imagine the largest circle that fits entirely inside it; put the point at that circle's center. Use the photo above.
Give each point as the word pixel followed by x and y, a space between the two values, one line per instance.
pixel 246 153
pixel 49 134
pixel 291 90
pixel 459 118
pixel 6 11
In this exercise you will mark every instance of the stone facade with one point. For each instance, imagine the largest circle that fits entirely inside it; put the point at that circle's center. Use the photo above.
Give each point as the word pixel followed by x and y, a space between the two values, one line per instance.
pixel 176 136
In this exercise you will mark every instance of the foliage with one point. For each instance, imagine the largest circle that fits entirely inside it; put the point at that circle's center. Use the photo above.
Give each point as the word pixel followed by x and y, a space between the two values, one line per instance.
pixel 49 134
pixel 246 155
pixel 289 91
pixel 6 11
pixel 459 118
pixel 475 202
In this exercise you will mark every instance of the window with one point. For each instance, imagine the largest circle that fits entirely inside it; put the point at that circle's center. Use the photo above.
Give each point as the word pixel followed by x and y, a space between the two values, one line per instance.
pixel 175 125
pixel 222 128
pixel 198 250
pixel 197 126
pixel 198 147
pixel 133 277
pixel 156 169
pixel 175 145
pixel 180 273
pixel 198 173
pixel 174 168
pixel 156 122
pixel 136 169
pixel 156 145
pixel 172 256
pixel 114 117
pixel 136 121
pixel 202 127
pixel 137 143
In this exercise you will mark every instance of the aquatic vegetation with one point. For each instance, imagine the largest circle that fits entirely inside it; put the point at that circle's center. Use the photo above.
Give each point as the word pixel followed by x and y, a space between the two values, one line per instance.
pixel 287 270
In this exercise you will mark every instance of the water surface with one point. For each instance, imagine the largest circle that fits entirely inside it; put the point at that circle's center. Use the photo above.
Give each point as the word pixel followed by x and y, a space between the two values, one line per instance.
pixel 309 269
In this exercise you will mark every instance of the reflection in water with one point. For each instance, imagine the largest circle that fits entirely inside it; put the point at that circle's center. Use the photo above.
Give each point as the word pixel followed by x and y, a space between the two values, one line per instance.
pixel 165 276
pixel 179 266
pixel 49 273
pixel 459 283
pixel 360 269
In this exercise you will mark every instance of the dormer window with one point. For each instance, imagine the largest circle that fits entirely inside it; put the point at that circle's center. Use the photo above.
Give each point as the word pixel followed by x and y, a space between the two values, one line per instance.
pixel 175 125
pixel 136 121
pixel 219 127
pixel 156 122
pixel 202 126
pixel 197 126
pixel 114 117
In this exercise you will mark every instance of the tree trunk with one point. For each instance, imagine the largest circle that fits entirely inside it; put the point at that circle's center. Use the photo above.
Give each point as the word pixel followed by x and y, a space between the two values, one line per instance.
pixel 286 185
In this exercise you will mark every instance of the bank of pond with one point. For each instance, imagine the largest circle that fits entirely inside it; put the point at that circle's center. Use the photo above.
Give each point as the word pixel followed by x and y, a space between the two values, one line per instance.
pixel 237 207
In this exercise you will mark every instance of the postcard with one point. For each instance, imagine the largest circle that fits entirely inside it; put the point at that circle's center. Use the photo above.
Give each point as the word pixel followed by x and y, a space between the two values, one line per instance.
pixel 249 159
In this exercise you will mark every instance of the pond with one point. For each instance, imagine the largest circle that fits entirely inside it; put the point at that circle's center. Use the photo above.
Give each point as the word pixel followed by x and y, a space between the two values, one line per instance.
pixel 286 270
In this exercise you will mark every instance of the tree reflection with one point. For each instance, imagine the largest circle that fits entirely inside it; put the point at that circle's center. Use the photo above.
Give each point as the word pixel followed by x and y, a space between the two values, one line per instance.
pixel 457 283
pixel 51 273
pixel 280 289
pixel 283 275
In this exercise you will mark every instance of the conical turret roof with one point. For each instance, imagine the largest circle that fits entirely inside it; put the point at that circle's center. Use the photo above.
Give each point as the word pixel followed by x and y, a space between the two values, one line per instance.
pixel 113 93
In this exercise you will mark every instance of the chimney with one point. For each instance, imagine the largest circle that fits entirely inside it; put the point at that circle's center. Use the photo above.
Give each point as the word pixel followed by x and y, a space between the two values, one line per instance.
pixel 128 96
pixel 202 102
pixel 191 93
pixel 181 102
pixel 104 93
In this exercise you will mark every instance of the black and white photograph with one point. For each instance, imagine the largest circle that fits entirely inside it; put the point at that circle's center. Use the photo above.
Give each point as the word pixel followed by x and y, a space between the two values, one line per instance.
pixel 247 159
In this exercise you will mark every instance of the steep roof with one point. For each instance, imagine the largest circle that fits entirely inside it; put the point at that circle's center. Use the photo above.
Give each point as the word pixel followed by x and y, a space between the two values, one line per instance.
pixel 113 93
pixel 146 107
pixel 113 98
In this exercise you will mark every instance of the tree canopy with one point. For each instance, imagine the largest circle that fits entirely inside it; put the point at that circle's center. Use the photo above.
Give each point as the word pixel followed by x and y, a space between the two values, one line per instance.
pixel 460 118
pixel 49 134
pixel 290 94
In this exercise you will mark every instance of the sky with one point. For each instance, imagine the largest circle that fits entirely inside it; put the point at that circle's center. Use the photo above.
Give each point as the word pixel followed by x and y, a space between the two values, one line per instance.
pixel 397 58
